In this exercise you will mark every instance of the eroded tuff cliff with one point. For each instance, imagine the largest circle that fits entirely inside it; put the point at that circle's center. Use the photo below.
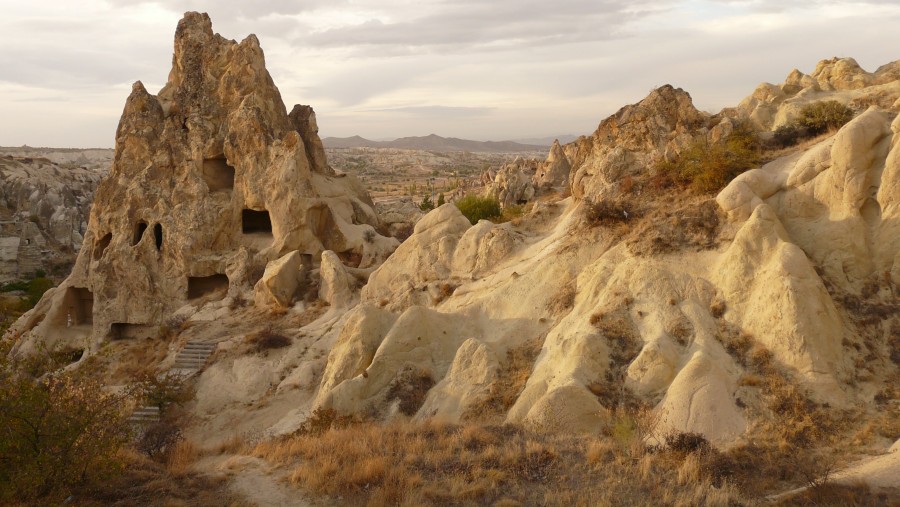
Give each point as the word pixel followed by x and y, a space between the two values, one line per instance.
pixel 699 310
pixel 45 198
pixel 212 179
pixel 798 274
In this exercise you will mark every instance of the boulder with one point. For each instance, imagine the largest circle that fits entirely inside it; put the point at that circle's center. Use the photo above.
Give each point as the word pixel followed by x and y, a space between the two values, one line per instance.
pixel 280 281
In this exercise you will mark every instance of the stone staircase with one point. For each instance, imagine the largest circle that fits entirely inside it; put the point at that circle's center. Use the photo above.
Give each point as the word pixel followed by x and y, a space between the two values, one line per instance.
pixel 144 415
pixel 192 358
pixel 189 360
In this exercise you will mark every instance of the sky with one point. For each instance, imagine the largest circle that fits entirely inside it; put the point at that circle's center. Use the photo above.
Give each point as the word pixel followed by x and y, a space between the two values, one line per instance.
pixel 475 69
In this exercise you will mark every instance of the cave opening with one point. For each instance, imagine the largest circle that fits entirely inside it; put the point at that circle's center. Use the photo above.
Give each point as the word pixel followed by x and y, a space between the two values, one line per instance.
pixel 218 174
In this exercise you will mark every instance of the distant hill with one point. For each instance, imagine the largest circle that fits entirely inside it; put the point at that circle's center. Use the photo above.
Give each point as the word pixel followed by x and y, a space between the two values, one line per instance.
pixel 434 142
pixel 548 141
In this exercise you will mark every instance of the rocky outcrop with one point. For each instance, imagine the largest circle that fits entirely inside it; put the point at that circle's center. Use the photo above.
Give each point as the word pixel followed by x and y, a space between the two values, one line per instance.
pixel 840 79
pixel 211 166
pixel 513 183
pixel 632 140
pixel 554 172
pixel 44 209
pixel 808 233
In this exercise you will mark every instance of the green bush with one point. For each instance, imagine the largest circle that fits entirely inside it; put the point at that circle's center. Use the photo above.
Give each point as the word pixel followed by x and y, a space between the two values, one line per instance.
pixel 821 117
pixel 477 208
pixel 36 289
pixel 709 167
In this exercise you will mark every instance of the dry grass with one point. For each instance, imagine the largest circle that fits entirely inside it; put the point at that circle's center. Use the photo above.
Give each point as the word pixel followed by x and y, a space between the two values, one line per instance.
pixel 409 388
pixel 182 456
pixel 564 299
pixel 145 482
pixel 266 339
pixel 624 345
pixel 511 379
pixel 441 464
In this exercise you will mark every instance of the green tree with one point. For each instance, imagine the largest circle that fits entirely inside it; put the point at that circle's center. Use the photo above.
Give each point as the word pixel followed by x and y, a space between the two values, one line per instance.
pixel 477 208
pixel 820 117
pixel 426 203
pixel 441 200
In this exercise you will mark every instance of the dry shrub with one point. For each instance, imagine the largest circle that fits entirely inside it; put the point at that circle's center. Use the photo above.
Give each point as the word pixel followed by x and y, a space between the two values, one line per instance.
pixel 410 387
pixel 158 440
pixel 439 464
pixel 235 444
pixel 511 379
pixel 324 419
pixel 693 225
pixel 610 211
pixel 267 339
pixel 564 299
pixel 183 454
pixel 624 345
pixel 144 482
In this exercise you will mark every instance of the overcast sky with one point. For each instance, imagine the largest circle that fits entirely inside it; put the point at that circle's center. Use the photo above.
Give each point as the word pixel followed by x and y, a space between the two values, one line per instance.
pixel 477 69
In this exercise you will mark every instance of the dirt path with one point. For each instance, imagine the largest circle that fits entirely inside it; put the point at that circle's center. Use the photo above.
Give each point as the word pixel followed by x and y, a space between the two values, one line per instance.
pixel 256 481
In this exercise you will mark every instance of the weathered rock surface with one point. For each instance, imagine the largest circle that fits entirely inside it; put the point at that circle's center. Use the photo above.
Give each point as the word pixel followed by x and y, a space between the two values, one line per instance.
pixel 803 230
pixel 44 209
pixel 210 165
pixel 514 182
pixel 840 79
pixel 551 322
pixel 631 140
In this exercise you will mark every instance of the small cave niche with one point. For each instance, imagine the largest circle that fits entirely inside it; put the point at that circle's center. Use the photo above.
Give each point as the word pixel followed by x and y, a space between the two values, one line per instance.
pixel 256 222
pixel 127 331
pixel 139 229
pixel 78 303
pixel 101 245
pixel 158 236
pixel 218 174
pixel 199 286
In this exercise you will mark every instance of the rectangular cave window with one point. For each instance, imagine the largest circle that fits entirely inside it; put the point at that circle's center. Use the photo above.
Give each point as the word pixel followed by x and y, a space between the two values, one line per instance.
pixel 139 230
pixel 79 307
pixel 125 331
pixel 253 221
pixel 217 174
pixel 199 286
pixel 157 235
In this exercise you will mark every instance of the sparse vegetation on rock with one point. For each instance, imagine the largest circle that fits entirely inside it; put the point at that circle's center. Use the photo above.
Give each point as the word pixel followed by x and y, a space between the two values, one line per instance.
pixel 477 208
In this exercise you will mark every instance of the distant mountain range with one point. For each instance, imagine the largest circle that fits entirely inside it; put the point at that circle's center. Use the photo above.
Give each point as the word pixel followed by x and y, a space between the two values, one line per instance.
pixel 435 142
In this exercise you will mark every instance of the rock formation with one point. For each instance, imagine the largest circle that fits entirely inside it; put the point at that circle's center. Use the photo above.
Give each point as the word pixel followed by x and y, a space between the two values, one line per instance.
pixel 840 79
pixel 809 247
pixel 553 321
pixel 211 180
pixel 513 183
pixel 44 208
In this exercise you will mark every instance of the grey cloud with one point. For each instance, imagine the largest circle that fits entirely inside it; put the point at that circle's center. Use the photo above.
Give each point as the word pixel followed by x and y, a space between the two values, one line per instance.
pixel 436 111
pixel 505 23
pixel 235 8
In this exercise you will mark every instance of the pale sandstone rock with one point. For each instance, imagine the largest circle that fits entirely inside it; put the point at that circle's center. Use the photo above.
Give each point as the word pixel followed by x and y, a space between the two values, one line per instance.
pixel 421 339
pixel 774 293
pixel 280 281
pixel 700 400
pixel 365 328
pixel 466 384
pixel 554 172
pixel 210 165
pixel 335 286
pixel 513 183
pixel 632 140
